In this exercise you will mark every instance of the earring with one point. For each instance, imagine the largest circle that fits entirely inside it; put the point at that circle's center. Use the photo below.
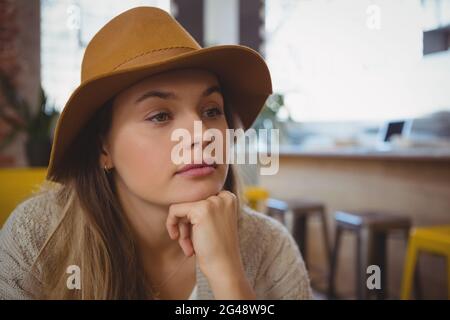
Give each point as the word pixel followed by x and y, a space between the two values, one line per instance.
pixel 106 169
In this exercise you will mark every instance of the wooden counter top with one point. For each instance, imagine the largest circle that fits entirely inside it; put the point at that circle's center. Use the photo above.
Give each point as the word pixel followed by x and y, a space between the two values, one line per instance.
pixel 422 154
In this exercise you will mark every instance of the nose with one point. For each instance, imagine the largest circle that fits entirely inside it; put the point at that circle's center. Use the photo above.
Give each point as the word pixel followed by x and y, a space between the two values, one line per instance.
pixel 198 135
pixel 197 128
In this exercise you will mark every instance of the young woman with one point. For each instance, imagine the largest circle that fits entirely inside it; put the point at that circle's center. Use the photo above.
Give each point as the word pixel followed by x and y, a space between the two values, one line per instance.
pixel 118 218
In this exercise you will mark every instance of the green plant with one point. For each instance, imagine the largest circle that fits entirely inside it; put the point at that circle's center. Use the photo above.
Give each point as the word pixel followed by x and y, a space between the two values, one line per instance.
pixel 269 118
pixel 40 125
pixel 20 116
pixel 273 105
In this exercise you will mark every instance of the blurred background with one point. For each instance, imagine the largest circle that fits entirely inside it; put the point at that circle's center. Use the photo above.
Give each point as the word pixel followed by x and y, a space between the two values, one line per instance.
pixel 361 100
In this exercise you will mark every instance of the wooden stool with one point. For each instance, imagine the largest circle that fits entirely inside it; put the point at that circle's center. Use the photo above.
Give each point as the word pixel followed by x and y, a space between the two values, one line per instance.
pixel 435 240
pixel 301 210
pixel 371 230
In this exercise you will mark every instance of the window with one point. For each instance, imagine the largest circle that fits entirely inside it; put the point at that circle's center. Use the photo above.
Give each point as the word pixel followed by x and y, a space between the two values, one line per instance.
pixel 356 60
pixel 66 28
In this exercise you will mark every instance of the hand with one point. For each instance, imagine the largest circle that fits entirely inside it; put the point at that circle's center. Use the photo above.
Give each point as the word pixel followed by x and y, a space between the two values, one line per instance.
pixel 209 229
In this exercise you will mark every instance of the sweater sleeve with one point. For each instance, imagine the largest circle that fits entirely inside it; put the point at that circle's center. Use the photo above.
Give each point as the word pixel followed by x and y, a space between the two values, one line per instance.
pixel 20 240
pixel 282 274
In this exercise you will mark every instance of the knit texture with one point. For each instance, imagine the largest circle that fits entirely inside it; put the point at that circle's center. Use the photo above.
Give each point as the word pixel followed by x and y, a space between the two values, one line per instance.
pixel 272 260
pixel 193 295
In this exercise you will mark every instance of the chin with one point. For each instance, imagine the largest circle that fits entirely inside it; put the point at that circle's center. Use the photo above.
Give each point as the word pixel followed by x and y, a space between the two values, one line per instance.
pixel 198 191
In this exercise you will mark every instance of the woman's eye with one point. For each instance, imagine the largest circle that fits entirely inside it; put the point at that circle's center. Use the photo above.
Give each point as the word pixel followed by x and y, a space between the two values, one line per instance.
pixel 160 117
pixel 213 112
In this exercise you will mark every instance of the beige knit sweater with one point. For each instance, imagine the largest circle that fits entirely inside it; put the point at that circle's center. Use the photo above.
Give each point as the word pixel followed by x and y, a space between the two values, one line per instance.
pixel 271 258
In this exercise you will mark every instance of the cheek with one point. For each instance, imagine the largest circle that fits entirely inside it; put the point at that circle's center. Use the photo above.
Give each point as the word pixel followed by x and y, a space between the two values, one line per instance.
pixel 141 160
pixel 223 146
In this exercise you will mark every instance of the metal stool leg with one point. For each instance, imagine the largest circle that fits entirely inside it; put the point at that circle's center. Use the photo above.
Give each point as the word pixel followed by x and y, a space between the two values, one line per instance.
pixel 334 263
pixel 300 235
pixel 358 266
pixel 326 237
pixel 380 258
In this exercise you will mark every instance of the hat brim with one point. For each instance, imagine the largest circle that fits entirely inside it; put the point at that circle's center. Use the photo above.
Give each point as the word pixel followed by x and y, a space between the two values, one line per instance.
pixel 242 72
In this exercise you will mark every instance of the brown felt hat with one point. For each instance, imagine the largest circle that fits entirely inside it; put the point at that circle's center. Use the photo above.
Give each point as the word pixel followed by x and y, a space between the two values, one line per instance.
pixel 144 41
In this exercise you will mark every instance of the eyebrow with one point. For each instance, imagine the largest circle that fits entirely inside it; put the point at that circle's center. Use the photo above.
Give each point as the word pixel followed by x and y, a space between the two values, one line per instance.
pixel 171 95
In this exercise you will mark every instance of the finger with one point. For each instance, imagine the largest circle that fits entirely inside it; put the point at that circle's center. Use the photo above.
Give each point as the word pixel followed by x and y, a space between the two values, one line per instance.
pixel 191 226
pixel 176 213
pixel 216 200
pixel 185 238
pixel 226 195
pixel 172 221
pixel 228 198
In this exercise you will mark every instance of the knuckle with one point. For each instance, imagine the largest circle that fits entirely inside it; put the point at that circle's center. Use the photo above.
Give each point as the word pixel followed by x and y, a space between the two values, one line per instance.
pixel 203 207
pixel 230 197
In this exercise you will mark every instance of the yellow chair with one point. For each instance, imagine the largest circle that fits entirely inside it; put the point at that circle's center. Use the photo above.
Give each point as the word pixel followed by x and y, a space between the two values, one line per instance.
pixel 434 240
pixel 256 196
pixel 16 184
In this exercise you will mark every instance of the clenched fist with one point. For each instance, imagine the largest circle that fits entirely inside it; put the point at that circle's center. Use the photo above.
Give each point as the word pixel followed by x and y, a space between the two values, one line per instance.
pixel 208 229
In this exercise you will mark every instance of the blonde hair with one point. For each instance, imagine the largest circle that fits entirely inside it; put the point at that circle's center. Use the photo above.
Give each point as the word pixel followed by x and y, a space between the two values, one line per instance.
pixel 91 230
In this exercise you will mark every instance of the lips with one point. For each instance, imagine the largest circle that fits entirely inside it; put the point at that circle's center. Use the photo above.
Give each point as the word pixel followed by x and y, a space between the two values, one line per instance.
pixel 196 166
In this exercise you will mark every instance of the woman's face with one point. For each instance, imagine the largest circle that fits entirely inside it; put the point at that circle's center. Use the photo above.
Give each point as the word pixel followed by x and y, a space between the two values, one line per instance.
pixel 139 144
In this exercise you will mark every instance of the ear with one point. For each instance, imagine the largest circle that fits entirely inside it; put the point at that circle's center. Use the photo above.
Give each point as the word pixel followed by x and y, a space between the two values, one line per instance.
pixel 105 157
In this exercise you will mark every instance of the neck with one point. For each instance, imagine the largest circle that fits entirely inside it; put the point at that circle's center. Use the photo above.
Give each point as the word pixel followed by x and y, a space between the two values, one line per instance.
pixel 148 222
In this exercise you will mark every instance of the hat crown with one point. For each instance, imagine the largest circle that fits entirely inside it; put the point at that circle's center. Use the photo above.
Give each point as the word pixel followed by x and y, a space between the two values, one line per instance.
pixel 121 40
